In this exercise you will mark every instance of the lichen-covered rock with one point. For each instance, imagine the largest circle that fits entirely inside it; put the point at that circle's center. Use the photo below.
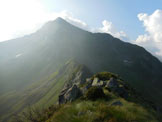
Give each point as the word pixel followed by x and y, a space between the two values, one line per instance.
pixel 86 87
pixel 117 103
pixel 61 98
pixel 102 83
pixel 98 82
pixel 70 95
pixel 95 82
pixel 112 84
pixel 91 87
pixel 89 80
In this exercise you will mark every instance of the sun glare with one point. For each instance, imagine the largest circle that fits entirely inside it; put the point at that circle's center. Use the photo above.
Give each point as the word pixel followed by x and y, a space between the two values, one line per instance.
pixel 19 17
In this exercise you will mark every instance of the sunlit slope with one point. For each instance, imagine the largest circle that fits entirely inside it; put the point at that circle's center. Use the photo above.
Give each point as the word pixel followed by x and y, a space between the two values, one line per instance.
pixel 42 93
pixel 103 97
pixel 35 56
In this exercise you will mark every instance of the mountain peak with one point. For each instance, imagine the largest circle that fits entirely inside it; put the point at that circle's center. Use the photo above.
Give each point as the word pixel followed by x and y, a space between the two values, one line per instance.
pixel 54 24
pixel 59 24
pixel 60 19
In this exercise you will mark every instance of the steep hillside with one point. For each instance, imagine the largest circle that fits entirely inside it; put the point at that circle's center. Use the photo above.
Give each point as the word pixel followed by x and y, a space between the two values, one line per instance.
pixel 33 57
pixel 43 93
pixel 102 98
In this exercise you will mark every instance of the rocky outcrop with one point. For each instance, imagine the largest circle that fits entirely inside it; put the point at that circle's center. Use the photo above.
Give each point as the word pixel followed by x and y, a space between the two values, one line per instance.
pixel 87 85
pixel 98 82
pixel 117 87
pixel 117 103
pixel 95 82
pixel 112 84
pixel 71 90
pixel 102 87
pixel 69 95
pixel 80 88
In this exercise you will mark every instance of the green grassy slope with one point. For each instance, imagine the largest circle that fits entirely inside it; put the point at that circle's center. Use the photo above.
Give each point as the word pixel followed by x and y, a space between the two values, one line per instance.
pixel 102 111
pixel 40 94
pixel 134 108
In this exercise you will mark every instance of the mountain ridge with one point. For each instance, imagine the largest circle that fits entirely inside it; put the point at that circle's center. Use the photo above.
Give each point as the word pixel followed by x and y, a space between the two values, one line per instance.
pixel 79 97
pixel 48 49
pixel 98 41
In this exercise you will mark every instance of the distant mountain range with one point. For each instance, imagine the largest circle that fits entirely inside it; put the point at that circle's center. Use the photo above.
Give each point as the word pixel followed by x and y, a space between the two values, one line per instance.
pixel 36 59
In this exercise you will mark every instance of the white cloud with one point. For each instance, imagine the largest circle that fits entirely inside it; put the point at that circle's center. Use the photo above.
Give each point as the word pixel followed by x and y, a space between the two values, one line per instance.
pixel 152 40
pixel 143 38
pixel 108 27
pixel 71 19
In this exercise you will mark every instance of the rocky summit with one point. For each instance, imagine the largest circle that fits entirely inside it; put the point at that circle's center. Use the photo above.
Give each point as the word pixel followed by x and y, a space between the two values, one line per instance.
pixel 100 98
pixel 103 80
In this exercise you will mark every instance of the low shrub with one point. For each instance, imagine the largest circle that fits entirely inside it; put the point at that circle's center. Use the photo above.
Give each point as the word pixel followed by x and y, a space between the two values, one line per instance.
pixel 94 93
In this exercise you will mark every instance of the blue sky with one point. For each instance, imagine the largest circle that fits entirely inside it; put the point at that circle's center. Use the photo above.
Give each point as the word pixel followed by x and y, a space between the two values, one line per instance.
pixel 123 13
pixel 139 20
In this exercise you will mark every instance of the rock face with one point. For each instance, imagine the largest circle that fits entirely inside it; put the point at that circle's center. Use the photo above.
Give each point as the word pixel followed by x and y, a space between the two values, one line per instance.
pixel 98 82
pixel 95 82
pixel 87 86
pixel 72 93
pixel 78 88
pixel 69 95
pixel 71 90
pixel 117 103
pixel 61 98
pixel 102 86
pixel 112 84
pixel 115 86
